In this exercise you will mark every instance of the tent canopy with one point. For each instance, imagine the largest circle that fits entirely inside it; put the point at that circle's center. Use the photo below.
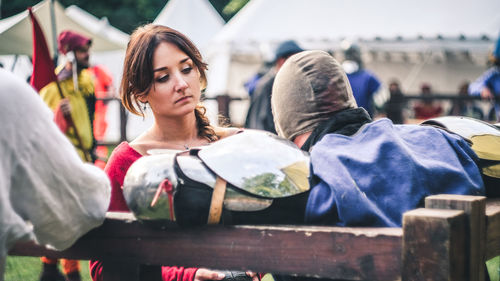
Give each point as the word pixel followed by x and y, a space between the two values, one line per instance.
pixel 427 30
pixel 97 26
pixel 16 34
pixel 197 19
pixel 322 24
pixel 265 20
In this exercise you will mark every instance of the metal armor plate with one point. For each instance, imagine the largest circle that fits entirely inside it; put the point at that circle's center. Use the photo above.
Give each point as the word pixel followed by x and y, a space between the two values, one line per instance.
pixel 259 163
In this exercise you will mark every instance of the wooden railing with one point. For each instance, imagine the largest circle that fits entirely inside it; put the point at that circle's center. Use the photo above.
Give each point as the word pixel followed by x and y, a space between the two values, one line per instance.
pixel 449 239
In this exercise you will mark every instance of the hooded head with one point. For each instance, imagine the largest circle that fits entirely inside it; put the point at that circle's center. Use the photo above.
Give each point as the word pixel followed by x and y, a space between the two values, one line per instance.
pixel 76 49
pixel 69 41
pixel 352 52
pixel 309 88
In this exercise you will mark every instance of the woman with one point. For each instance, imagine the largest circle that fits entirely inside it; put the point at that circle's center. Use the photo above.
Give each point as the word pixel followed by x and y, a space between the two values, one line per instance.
pixel 163 70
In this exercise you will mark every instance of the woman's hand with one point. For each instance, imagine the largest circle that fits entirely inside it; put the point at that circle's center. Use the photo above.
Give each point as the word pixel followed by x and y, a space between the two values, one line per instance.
pixel 255 276
pixel 203 274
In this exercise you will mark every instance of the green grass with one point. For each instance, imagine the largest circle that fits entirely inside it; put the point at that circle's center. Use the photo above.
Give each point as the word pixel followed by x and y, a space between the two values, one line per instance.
pixel 494 268
pixel 29 268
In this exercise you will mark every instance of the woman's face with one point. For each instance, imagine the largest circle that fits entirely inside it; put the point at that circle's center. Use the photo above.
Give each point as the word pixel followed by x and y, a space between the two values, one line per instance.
pixel 176 84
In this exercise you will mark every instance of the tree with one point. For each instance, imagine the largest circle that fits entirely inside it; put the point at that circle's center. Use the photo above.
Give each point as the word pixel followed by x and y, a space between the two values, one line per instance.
pixel 125 15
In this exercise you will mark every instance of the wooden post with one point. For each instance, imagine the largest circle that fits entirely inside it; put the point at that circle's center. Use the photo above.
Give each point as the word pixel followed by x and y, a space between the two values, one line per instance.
pixel 433 245
pixel 223 105
pixel 493 228
pixel 474 208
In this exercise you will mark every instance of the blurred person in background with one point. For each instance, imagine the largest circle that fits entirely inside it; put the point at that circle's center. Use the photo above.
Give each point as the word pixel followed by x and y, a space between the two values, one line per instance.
pixel 366 87
pixel 252 82
pixel 103 88
pixel 464 107
pixel 396 104
pixel 488 84
pixel 426 108
pixel 77 87
pixel 259 114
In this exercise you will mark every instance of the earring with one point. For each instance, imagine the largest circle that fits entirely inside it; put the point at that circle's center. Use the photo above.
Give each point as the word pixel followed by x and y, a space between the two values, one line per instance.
pixel 144 106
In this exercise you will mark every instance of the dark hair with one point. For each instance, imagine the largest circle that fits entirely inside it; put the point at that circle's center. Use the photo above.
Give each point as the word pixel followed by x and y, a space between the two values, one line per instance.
pixel 138 77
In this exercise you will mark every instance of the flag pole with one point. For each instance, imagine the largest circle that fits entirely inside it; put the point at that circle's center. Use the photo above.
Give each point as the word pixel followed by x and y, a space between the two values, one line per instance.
pixel 54 30
pixel 14 63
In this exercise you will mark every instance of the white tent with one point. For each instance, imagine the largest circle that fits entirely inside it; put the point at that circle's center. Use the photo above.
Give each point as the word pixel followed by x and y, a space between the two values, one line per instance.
pixel 441 42
pixel 97 26
pixel 197 19
pixel 16 35
pixel 277 20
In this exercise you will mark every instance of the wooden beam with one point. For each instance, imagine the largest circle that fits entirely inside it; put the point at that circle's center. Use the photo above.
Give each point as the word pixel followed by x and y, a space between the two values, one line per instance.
pixel 120 271
pixel 434 245
pixel 475 235
pixel 332 252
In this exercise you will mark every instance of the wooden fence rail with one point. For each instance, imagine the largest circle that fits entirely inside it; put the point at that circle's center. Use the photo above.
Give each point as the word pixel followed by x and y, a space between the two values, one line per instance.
pixel 450 239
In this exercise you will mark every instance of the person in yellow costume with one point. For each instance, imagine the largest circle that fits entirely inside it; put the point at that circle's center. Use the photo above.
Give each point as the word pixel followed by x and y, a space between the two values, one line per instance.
pixel 72 100
pixel 77 87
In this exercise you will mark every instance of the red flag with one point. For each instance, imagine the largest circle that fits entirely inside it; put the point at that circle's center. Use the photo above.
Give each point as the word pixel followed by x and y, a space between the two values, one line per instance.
pixel 43 67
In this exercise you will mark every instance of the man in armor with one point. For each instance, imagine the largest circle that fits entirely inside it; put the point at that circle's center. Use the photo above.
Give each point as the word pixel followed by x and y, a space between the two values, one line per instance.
pixel 364 172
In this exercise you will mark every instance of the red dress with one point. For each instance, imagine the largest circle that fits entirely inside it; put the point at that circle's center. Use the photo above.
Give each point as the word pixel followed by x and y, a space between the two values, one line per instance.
pixel 122 157
pixel 427 111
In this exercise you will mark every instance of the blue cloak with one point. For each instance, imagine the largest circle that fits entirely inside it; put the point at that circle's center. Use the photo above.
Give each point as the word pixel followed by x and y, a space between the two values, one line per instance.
pixel 372 177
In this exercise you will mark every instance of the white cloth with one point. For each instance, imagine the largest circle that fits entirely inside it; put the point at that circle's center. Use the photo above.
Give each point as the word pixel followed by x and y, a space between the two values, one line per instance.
pixel 46 192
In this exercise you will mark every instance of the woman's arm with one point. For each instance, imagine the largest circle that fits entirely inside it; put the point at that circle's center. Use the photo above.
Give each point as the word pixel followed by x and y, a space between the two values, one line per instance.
pixel 122 157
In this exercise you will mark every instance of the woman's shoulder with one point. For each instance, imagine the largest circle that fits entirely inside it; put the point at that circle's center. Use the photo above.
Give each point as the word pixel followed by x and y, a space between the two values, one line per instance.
pixel 124 149
pixel 122 156
pixel 223 132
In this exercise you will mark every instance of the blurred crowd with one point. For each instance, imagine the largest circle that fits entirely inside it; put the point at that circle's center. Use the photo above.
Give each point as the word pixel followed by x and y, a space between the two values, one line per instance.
pixel 474 99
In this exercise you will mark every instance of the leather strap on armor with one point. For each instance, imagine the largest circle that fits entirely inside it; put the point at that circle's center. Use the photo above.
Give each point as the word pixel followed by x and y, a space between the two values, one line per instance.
pixel 217 201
